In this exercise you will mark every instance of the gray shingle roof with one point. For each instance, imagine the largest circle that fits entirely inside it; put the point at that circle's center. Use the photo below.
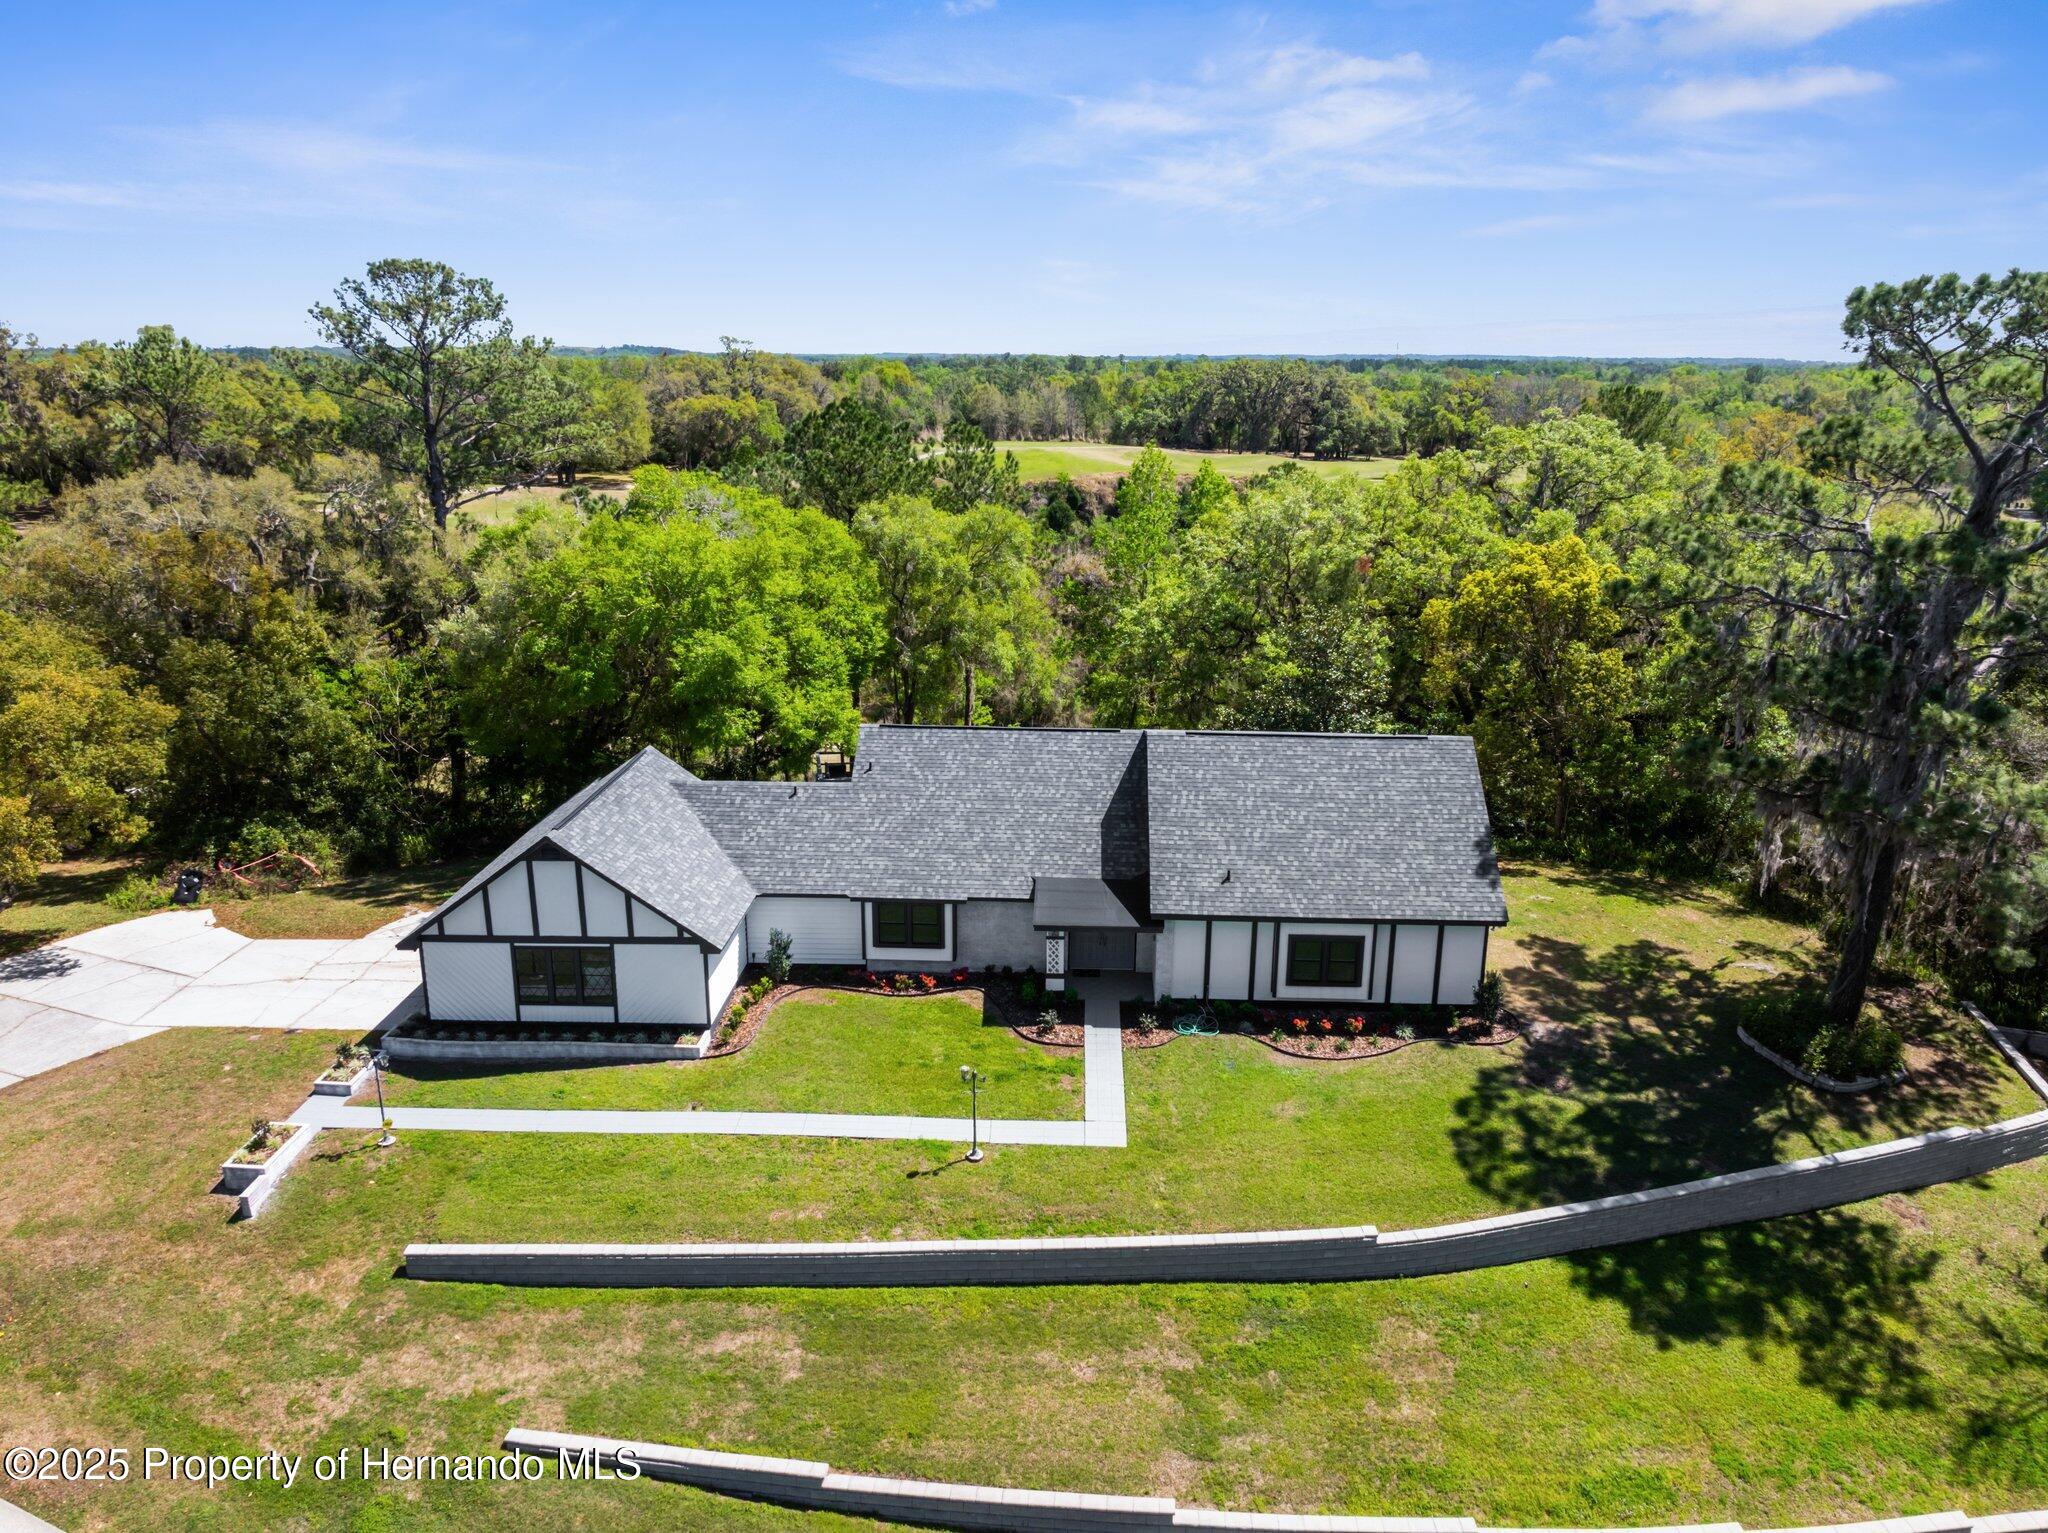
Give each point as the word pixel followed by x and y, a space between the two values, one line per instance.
pixel 943 814
pixel 635 827
pixel 1355 827
pixel 1307 826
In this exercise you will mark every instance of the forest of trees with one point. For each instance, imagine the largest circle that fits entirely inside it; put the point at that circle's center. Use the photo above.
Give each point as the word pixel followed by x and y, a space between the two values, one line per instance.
pixel 1777 624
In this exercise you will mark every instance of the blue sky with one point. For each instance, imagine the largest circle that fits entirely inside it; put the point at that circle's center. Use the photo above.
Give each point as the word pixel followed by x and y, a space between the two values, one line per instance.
pixel 1640 177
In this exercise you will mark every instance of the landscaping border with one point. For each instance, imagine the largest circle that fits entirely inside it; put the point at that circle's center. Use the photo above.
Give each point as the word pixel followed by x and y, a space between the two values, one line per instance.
pixel 814 1486
pixel 1814 1078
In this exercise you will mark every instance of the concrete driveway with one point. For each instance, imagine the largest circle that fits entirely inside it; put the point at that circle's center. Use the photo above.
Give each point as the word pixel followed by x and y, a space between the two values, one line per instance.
pixel 178 969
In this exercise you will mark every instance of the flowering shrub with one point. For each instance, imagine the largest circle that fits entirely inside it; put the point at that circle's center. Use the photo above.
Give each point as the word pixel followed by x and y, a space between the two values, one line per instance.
pixel 901 983
pixel 1324 1024
pixel 929 981
pixel 1298 1024
pixel 959 975
pixel 873 980
pixel 1354 1025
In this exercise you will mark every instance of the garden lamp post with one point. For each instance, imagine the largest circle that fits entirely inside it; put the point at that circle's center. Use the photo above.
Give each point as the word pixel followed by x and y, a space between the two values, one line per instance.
pixel 379 1061
pixel 972 1079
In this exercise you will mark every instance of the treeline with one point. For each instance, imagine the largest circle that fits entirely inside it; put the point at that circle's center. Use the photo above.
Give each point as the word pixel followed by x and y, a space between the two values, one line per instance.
pixel 1780 624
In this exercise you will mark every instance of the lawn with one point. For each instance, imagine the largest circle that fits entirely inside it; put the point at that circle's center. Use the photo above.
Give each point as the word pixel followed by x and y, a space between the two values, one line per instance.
pixel 1880 1360
pixel 1048 460
pixel 71 897
pixel 820 1053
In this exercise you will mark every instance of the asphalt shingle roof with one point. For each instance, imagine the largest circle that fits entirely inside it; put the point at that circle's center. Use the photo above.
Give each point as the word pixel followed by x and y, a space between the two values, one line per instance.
pixel 1355 827
pixel 1307 826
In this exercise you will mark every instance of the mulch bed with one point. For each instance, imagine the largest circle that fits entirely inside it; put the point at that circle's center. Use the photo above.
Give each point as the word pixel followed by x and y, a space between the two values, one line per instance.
pixel 1378 1038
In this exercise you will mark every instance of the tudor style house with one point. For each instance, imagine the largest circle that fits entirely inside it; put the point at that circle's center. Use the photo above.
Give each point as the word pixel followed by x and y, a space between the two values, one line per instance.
pixel 1355 868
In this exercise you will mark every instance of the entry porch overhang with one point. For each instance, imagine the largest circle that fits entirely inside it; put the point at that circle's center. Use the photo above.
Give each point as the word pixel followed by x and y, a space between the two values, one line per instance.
pixel 1101 904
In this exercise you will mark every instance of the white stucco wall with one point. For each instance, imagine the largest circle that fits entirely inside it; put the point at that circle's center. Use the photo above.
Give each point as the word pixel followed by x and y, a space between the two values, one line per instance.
pixel 466 919
pixel 511 905
pixel 468 981
pixel 725 973
pixel 554 892
pixel 661 984
pixel 1464 962
pixel 646 923
pixel 604 906
pixel 1413 970
pixel 1230 960
pixel 822 930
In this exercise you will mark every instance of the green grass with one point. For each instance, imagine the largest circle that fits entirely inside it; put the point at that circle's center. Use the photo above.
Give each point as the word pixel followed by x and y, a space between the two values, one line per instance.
pixel 1880 1360
pixel 71 897
pixel 824 1053
pixel 1048 460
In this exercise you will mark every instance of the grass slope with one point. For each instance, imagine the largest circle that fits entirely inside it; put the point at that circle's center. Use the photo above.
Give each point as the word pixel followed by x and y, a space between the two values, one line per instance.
pixel 824 1053
pixel 1885 1359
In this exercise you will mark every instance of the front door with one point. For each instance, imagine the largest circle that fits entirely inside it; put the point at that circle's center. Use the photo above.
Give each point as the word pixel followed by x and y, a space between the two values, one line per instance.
pixel 1091 949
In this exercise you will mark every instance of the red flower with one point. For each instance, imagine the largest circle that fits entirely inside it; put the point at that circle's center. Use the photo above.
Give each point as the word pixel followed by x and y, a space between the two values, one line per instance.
pixel 928 981
pixel 1354 1025
pixel 1324 1024
pixel 1299 1024
pixel 958 976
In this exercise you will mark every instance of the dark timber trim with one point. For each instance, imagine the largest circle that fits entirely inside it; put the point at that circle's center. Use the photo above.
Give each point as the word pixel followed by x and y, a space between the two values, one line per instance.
pixel 1372 962
pixel 1436 978
pixel 533 902
pixel 1393 946
pixel 582 914
pixel 1208 946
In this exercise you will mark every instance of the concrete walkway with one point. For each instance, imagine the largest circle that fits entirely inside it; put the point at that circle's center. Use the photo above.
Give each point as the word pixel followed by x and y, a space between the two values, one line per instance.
pixel 1102 1123
pixel 178 968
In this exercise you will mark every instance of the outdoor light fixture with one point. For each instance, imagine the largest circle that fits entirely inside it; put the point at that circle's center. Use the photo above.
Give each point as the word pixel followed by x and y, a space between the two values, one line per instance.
pixel 972 1079
pixel 379 1062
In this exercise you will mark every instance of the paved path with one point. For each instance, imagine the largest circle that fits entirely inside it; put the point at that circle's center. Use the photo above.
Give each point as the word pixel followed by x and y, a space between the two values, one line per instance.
pixel 331 1112
pixel 112 986
pixel 1102 1123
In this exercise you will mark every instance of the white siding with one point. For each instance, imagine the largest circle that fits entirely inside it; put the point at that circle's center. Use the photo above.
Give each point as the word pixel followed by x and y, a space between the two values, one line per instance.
pixel 647 924
pixel 1414 968
pixel 554 891
pixel 1182 970
pixel 511 905
pixel 910 957
pixel 725 974
pixel 823 930
pixel 468 981
pixel 604 906
pixel 661 984
pixel 1464 958
pixel 466 919
pixel 1230 960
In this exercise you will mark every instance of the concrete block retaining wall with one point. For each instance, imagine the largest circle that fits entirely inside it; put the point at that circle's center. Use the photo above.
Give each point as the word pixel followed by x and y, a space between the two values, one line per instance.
pixel 405 1048
pixel 1274 1256
pixel 820 1487
pixel 287 1155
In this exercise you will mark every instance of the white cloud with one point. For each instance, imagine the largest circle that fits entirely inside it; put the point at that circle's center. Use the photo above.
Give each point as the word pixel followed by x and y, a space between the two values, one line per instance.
pixel 1534 223
pixel 1738 23
pixel 968 7
pixel 1709 100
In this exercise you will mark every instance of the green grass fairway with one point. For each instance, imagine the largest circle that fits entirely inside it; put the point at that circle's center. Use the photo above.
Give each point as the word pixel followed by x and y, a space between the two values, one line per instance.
pixel 1048 460
pixel 828 1053
pixel 1879 1360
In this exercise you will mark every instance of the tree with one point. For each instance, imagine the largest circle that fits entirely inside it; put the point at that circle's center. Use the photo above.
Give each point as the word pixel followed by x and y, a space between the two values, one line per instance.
pixel 706 619
pixel 442 388
pixel 851 453
pixel 712 430
pixel 1886 600
pixel 1647 416
pixel 971 472
pixel 81 749
pixel 170 388
pixel 1526 656
pixel 924 575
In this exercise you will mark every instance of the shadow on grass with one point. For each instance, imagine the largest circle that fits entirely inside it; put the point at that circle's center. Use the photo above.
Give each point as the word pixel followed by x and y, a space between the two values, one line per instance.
pixel 2007 1425
pixel 1639 1081
pixel 88 885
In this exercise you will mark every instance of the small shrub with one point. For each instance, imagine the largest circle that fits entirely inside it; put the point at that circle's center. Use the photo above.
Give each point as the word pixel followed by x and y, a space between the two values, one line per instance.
pixel 929 981
pixel 1343 1045
pixel 779 945
pixel 958 976
pixel 1324 1025
pixel 1048 1020
pixel 1405 1032
pixel 136 893
pixel 1147 1022
pixel 1299 1025
pixel 1355 1026
pixel 1486 1004
pixel 1872 1046
pixel 1029 991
